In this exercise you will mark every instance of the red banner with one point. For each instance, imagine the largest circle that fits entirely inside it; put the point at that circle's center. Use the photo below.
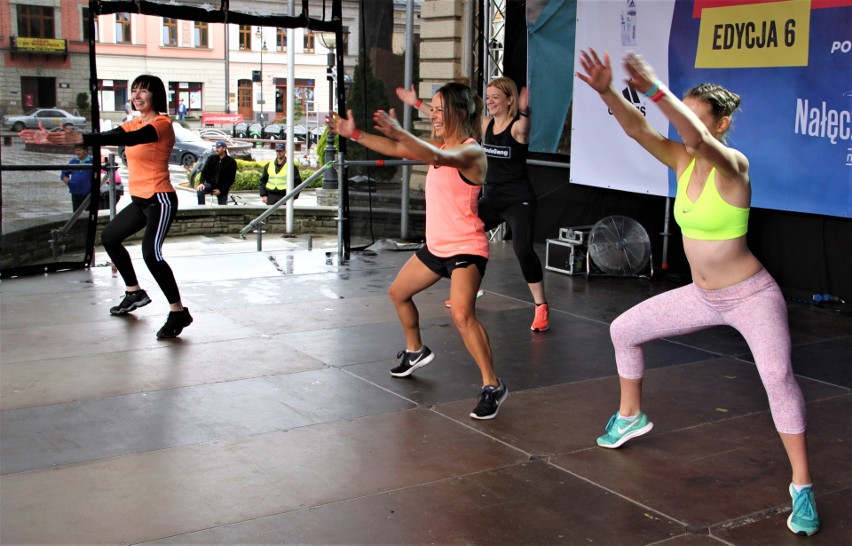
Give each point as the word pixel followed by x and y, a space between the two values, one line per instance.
pixel 211 119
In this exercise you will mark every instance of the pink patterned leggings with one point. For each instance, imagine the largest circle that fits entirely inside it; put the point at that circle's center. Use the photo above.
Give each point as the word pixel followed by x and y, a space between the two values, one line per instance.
pixel 755 307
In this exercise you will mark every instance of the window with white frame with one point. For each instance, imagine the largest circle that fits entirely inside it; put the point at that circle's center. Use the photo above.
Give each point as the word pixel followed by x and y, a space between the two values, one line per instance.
pixel 200 35
pixel 112 95
pixel 122 28
pixel 170 32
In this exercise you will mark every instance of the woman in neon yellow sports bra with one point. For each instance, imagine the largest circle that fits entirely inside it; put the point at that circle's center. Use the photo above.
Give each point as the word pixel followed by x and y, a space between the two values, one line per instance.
pixel 730 286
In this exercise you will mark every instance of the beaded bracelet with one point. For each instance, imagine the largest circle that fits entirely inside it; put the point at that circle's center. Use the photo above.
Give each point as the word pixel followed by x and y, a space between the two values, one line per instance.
pixel 356 134
pixel 654 88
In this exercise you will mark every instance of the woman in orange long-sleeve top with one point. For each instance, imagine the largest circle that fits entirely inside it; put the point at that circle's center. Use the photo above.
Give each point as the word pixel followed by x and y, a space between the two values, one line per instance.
pixel 149 139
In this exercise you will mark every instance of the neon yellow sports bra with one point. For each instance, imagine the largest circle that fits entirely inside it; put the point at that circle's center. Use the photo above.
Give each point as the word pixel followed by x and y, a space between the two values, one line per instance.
pixel 709 218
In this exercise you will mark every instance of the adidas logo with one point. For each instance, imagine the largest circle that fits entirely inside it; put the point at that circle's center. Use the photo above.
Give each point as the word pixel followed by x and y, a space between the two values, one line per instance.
pixel 633 98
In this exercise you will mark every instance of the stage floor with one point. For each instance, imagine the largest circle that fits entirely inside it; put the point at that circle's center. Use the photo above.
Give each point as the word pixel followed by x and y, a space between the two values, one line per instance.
pixel 273 418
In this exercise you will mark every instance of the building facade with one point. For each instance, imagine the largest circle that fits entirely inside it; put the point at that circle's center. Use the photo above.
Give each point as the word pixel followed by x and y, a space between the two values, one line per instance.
pixel 211 67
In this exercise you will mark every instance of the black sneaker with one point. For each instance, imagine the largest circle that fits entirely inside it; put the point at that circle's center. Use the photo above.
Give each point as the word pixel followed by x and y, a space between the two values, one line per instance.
pixel 177 321
pixel 131 302
pixel 411 361
pixel 489 401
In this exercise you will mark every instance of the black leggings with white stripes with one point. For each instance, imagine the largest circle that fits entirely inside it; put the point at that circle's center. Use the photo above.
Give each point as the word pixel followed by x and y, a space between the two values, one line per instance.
pixel 155 214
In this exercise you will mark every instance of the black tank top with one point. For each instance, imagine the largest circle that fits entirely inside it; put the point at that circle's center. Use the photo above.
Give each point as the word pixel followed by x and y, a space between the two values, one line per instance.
pixel 506 181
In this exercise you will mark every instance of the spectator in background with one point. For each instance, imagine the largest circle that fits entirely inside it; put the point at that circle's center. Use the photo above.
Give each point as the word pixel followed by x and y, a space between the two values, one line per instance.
pixel 119 187
pixel 181 111
pixel 79 182
pixel 273 178
pixel 218 175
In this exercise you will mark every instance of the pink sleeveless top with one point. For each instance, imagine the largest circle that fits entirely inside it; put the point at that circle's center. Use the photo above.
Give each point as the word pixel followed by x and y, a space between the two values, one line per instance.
pixel 452 224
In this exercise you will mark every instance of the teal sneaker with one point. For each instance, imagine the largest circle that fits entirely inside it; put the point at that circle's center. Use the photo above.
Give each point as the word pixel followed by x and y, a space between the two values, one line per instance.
pixel 804 519
pixel 619 431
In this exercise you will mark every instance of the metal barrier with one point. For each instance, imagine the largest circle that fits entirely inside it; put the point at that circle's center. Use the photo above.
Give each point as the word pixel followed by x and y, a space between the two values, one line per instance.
pixel 255 225
pixel 340 163
pixel 57 235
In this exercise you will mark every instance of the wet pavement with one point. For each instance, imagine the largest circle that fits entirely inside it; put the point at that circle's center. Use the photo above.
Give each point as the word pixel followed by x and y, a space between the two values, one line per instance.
pixel 273 418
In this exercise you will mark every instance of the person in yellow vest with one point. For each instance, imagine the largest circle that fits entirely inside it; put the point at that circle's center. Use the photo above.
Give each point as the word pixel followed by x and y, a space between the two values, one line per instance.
pixel 273 179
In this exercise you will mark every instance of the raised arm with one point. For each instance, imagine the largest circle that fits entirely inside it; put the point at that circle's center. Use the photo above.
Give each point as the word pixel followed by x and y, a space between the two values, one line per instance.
pixel 346 128
pixel 521 128
pixel 598 74
pixel 409 97
pixel 468 158
pixel 695 133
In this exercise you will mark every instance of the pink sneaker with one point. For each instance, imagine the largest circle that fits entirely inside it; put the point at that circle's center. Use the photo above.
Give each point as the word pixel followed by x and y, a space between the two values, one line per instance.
pixel 541 322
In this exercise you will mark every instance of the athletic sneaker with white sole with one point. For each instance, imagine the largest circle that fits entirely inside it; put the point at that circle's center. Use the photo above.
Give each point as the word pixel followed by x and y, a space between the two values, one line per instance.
pixel 131 302
pixel 619 430
pixel 804 519
pixel 411 361
pixel 490 399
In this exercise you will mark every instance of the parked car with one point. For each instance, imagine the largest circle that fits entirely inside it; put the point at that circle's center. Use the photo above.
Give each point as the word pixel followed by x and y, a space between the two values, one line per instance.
pixel 240 130
pixel 274 131
pixel 50 118
pixel 190 146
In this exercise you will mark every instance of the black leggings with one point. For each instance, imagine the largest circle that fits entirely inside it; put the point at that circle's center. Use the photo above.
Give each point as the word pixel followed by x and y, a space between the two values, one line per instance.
pixel 520 216
pixel 155 214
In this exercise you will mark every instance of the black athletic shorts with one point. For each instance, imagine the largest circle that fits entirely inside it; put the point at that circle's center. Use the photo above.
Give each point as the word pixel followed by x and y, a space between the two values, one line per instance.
pixel 445 266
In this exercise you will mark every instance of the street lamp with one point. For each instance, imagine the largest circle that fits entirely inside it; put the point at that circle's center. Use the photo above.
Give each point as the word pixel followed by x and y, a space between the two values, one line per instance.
pixel 259 34
pixel 329 41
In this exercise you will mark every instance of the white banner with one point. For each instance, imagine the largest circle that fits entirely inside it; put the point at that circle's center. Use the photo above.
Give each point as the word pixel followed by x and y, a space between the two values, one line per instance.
pixel 601 154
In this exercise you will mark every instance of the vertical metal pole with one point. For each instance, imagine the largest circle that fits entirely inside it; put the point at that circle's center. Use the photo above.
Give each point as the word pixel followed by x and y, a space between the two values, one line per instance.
pixel 111 177
pixel 259 231
pixel 468 37
pixel 227 67
pixel 665 234
pixel 291 113
pixel 260 30
pixel 407 115
pixel 340 207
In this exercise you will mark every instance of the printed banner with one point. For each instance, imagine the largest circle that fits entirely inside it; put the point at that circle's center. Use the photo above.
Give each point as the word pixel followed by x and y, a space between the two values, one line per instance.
pixel 788 60
pixel 211 118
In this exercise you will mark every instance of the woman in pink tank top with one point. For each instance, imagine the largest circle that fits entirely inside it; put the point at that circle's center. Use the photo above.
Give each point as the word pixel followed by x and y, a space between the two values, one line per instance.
pixel 456 245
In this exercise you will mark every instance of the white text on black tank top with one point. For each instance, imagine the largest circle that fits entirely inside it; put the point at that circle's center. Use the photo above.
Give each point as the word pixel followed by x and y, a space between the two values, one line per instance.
pixel 503 152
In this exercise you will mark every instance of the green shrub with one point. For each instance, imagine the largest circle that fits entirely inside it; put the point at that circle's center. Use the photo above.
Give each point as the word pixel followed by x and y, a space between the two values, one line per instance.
pixel 83 103
pixel 246 180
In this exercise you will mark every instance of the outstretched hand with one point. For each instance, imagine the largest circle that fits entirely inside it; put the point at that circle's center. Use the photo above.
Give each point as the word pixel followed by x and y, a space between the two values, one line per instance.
pixel 37 136
pixel 598 72
pixel 387 124
pixel 407 96
pixel 70 136
pixel 344 127
pixel 642 75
